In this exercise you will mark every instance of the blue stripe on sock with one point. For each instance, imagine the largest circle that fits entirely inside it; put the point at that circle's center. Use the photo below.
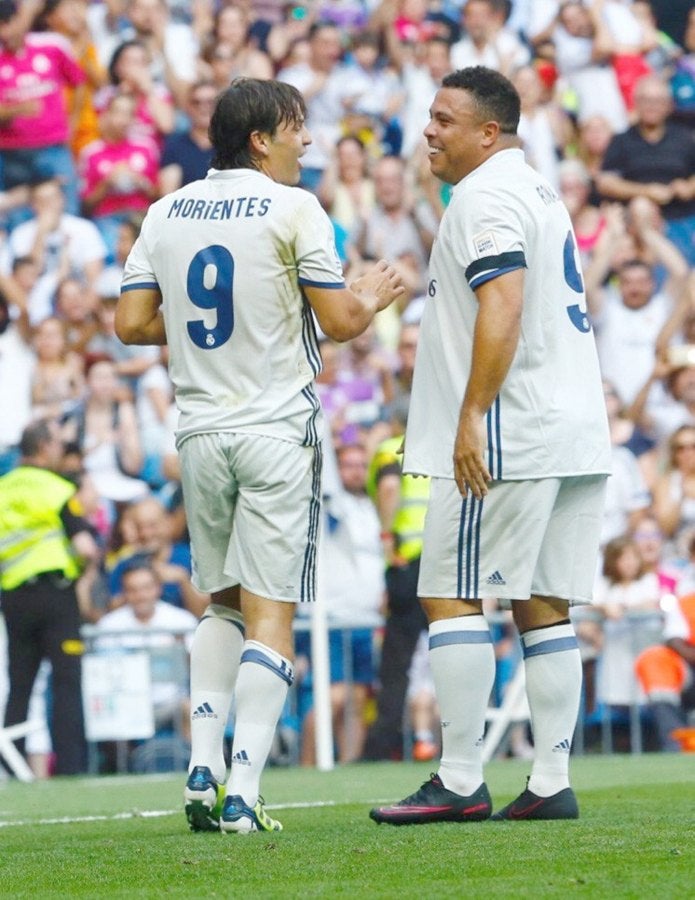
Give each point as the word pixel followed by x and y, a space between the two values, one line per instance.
pixel 447 638
pixel 555 645
pixel 256 656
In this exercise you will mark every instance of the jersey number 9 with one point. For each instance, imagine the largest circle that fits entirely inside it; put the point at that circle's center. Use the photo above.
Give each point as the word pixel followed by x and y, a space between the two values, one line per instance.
pixel 209 286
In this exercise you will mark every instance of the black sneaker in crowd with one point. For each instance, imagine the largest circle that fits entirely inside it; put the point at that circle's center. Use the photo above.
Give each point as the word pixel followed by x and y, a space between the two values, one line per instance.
pixel 528 805
pixel 434 803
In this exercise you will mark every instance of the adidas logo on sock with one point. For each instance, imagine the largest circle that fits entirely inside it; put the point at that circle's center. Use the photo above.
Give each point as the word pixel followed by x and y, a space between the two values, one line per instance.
pixel 495 578
pixel 241 758
pixel 563 746
pixel 204 711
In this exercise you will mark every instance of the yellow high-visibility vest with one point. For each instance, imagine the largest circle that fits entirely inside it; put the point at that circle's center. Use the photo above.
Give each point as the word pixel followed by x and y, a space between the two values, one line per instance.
pixel 32 537
pixel 409 519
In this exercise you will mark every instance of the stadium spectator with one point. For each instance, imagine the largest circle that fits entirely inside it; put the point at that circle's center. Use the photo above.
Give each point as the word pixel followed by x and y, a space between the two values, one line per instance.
pixel 346 189
pixel 630 317
pixel 624 595
pixel 486 41
pixel 69 18
pixel 655 158
pixel 594 135
pixel 104 427
pixel 75 304
pixel 588 220
pixel 172 46
pixel 58 378
pixel 119 173
pixel 146 621
pixel 170 559
pixel 108 26
pixel 674 490
pixel 583 47
pixel 129 73
pixel 351 577
pixel 371 110
pixel 324 82
pixel 666 673
pixel 232 52
pixel 59 244
pixel 544 128
pixel 187 154
pixel 397 228
pixel 35 128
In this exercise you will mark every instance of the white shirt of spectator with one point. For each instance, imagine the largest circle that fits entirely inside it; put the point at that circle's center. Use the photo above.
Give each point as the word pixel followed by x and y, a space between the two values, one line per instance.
pixel 79 236
pixel 626 341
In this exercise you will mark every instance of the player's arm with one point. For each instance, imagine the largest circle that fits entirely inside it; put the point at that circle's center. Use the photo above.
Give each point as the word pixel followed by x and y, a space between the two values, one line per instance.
pixel 495 340
pixel 139 318
pixel 345 312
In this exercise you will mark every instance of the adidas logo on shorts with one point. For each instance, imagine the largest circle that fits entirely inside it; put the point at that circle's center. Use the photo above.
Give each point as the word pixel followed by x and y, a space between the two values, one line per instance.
pixel 495 578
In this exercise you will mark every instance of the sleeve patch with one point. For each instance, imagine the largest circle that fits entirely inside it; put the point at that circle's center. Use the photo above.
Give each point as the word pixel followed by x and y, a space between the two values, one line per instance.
pixel 485 244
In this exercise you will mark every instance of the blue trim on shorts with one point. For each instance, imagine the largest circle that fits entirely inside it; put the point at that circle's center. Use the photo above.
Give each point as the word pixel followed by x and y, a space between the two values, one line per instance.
pixel 494 440
pixel 308 584
pixel 459 637
pixel 469 532
pixel 257 656
pixel 555 645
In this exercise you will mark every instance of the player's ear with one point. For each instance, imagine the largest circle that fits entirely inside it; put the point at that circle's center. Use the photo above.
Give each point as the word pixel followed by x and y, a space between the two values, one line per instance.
pixel 258 143
pixel 491 131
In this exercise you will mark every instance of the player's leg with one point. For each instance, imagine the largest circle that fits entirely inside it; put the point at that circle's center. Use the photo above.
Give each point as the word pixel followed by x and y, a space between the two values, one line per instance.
pixel 272 554
pixel 552 660
pixel 461 659
pixel 266 673
pixel 210 491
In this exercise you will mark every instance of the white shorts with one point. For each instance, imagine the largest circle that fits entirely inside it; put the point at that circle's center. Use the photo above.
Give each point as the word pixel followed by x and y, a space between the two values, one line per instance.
pixel 524 538
pixel 252 506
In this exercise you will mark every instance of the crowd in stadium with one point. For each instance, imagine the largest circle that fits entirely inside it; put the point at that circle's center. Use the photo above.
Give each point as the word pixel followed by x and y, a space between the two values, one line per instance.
pixel 104 107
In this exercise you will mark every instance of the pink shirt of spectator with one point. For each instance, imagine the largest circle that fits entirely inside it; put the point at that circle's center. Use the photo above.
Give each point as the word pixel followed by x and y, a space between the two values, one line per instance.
pixel 98 160
pixel 39 70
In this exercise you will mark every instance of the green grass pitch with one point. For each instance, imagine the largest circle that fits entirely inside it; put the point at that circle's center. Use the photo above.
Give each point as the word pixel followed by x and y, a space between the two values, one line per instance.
pixel 126 837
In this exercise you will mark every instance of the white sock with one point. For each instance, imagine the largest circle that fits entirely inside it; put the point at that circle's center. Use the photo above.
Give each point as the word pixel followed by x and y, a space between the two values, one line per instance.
pixel 553 686
pixel 215 655
pixel 462 659
pixel 261 691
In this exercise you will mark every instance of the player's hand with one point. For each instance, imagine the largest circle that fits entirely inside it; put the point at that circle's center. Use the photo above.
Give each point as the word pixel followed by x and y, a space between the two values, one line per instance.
pixel 470 470
pixel 383 281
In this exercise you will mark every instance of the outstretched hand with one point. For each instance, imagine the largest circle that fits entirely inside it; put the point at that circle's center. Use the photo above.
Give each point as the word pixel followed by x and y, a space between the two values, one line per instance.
pixel 383 281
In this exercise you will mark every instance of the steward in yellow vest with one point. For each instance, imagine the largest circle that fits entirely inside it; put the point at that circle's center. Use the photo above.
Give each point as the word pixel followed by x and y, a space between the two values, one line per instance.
pixel 43 538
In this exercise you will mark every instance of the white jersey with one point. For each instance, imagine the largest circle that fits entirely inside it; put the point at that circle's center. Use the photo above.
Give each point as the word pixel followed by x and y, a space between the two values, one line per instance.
pixel 549 417
pixel 230 254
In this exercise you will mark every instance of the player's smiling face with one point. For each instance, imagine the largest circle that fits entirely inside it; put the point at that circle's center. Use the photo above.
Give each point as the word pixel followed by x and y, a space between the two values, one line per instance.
pixel 455 135
pixel 285 148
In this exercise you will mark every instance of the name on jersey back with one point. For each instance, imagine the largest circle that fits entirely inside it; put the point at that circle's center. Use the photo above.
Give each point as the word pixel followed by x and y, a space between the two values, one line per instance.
pixel 236 208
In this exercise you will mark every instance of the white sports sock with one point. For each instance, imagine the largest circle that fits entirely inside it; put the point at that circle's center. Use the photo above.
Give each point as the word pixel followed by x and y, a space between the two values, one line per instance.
pixel 261 691
pixel 553 686
pixel 462 659
pixel 215 655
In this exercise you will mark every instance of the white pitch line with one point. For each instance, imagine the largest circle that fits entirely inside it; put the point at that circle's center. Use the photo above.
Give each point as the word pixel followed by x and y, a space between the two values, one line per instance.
pixel 158 813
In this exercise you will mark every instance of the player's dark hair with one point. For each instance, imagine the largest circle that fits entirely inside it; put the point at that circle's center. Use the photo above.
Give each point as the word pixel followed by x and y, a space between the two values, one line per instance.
pixel 495 96
pixel 248 105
